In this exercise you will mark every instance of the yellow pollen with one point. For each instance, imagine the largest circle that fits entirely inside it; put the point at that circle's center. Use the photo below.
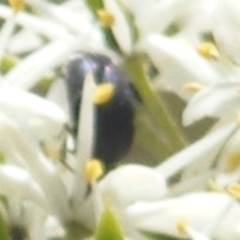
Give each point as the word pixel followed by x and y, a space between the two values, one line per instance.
pixel 234 190
pixel 103 94
pixel 208 50
pixel 182 226
pixel 233 162
pixel 192 87
pixel 17 5
pixel 106 18
pixel 93 170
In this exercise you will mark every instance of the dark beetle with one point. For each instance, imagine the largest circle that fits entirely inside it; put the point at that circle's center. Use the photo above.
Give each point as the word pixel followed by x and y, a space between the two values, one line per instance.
pixel 114 120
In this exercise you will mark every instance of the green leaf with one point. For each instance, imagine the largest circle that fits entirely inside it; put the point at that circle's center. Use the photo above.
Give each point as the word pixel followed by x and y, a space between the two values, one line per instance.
pixel 109 227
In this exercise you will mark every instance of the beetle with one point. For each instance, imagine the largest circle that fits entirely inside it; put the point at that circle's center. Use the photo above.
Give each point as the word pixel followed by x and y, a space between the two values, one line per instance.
pixel 115 119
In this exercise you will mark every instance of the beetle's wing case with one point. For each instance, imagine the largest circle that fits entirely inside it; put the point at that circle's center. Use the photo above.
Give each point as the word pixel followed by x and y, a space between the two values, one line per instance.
pixel 114 120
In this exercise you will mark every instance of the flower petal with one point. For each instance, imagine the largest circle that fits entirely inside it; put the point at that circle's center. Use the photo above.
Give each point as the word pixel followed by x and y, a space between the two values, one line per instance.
pixel 198 209
pixel 131 183
pixel 222 100
pixel 42 116
pixel 28 72
pixel 120 27
pixel 204 149
pixel 178 62
pixel 18 183
pixel 25 150
pixel 19 45
pixel 226 27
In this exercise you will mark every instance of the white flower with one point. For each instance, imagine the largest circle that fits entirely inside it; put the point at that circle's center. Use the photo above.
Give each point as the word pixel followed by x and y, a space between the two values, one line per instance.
pixel 121 28
pixel 178 63
pixel 225 28
pixel 46 120
pixel 221 96
pixel 144 203
pixel 28 121
pixel 17 183
pixel 204 212
pixel 214 102
pixel 63 41
pixel 160 16
pixel 131 183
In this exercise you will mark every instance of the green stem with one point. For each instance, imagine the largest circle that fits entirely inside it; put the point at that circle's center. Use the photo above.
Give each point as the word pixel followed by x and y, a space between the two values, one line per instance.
pixel 154 103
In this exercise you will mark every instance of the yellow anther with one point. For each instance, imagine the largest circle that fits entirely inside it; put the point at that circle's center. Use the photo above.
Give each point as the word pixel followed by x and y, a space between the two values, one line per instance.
pixel 234 190
pixel 103 94
pixel 93 170
pixel 17 5
pixel 182 227
pixel 208 50
pixel 106 18
pixel 192 87
pixel 233 161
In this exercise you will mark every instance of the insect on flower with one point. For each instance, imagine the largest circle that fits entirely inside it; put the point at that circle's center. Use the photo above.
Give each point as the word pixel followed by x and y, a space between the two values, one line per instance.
pixel 113 119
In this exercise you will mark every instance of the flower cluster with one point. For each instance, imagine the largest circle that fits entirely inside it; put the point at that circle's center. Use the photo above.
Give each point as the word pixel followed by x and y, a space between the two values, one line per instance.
pixel 51 184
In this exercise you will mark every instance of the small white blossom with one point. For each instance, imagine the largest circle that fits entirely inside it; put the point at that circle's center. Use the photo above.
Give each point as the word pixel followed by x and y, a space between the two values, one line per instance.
pixel 213 102
pixel 200 210
pixel 131 183
pixel 178 63
pixel 226 20
pixel 121 28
